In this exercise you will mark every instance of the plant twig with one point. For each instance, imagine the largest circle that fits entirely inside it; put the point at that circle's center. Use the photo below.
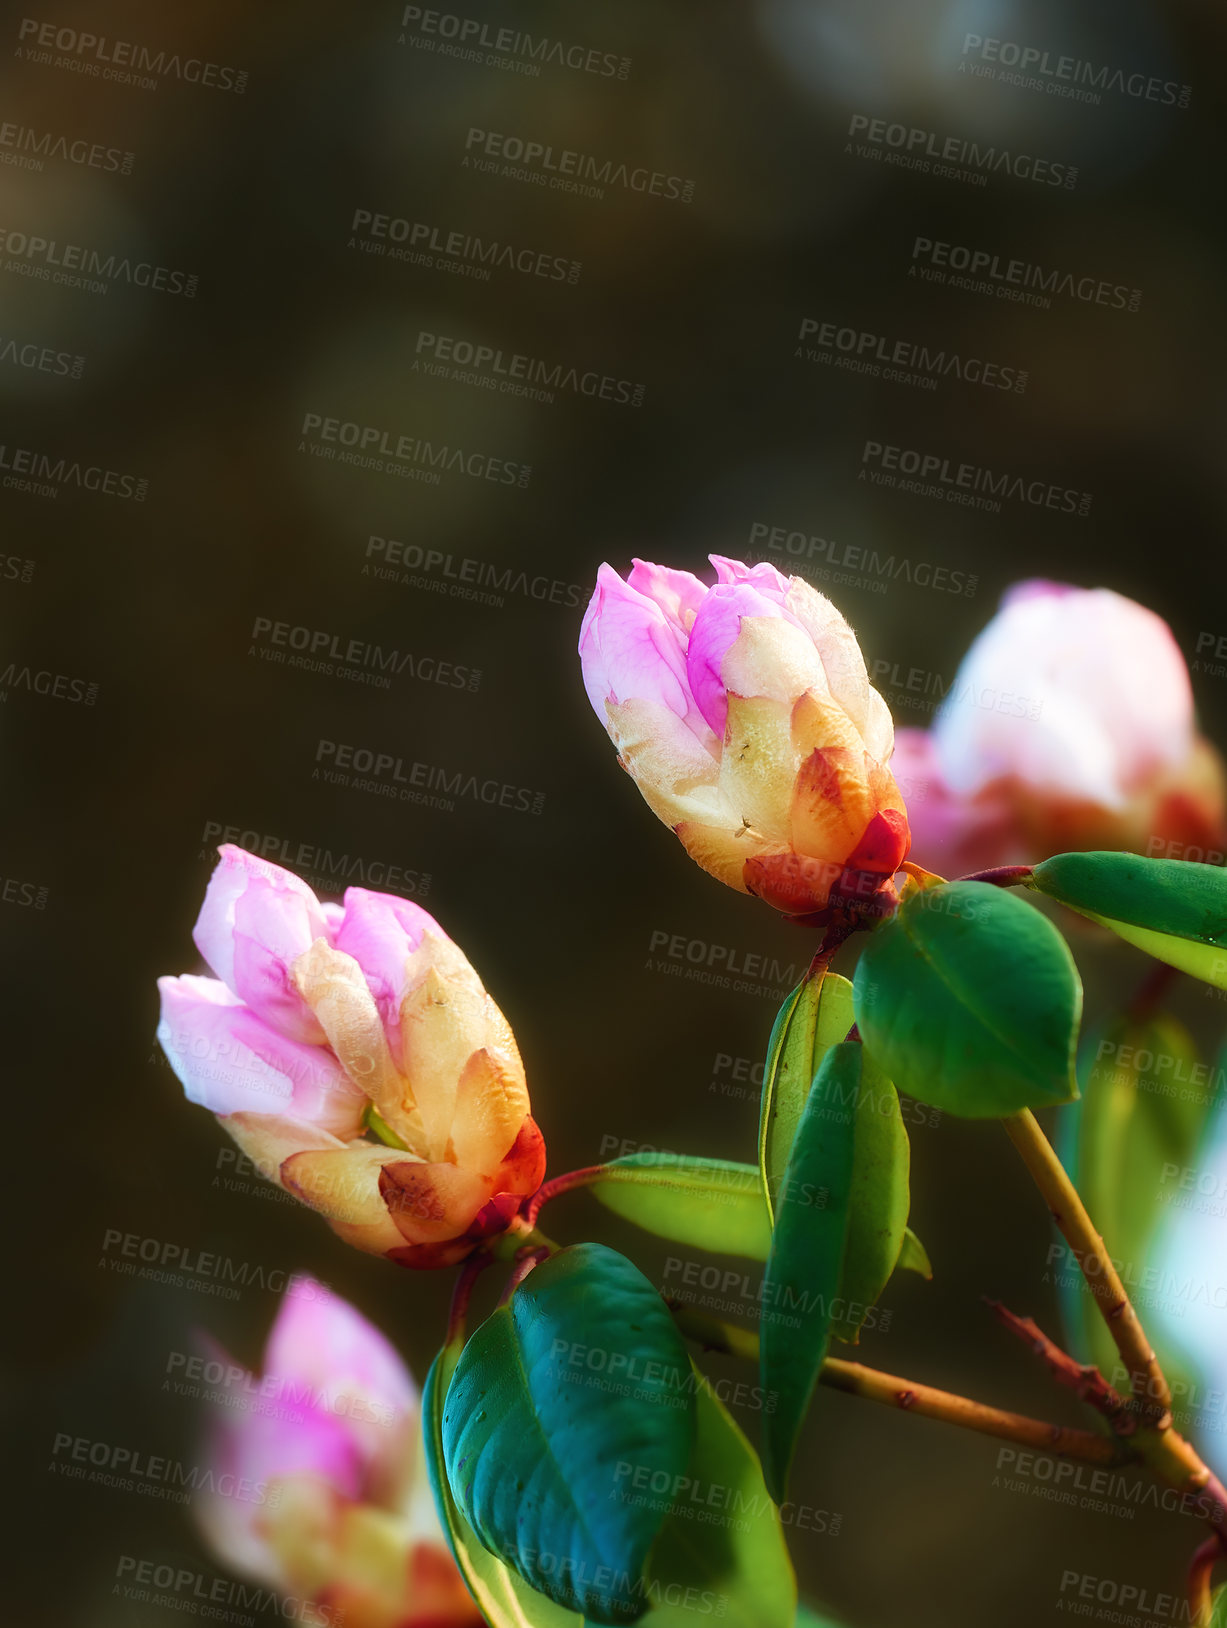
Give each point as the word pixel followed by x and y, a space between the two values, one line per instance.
pixel 1087 1383
pixel 1152 1396
pixel 1001 875
pixel 911 1397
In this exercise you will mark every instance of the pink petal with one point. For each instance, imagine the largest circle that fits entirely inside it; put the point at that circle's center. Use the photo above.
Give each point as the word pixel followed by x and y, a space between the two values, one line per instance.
pixel 715 628
pixel 678 593
pixel 630 648
pixel 382 932
pixel 322 1341
pixel 255 921
pixel 762 576
pixel 230 1061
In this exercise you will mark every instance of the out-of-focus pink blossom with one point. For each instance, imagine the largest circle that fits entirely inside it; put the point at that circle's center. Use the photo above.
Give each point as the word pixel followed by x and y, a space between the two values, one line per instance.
pixel 745 716
pixel 316 1483
pixel 1069 725
pixel 326 1022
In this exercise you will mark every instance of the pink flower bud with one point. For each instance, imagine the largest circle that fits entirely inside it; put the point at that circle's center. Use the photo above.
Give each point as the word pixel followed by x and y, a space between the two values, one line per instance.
pixel 316 1480
pixel 330 1018
pixel 1068 725
pixel 745 716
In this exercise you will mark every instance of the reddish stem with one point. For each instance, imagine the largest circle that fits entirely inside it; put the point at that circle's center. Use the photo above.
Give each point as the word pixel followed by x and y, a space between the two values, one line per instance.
pixel 1087 1383
pixel 461 1294
pixel 556 1185
pixel 1001 875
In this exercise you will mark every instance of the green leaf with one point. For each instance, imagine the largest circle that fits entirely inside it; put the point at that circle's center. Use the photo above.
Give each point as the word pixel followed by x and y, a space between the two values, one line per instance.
pixel 810 1619
pixel 711 1203
pixel 504 1598
pixel 1218 1610
pixel 1145 1099
pixel 579 1384
pixel 815 1017
pixel 822 1019
pixel 877 1215
pixel 970 1000
pixel 913 1256
pixel 807 1251
pixel 721 1552
pixel 1173 909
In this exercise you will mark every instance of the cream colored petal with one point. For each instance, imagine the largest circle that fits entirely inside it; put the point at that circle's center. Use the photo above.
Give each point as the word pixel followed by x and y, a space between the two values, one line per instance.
pixel 838 650
pixel 268 1140
pixel 658 749
pixel 443 1022
pixel 819 722
pixel 878 728
pixel 722 852
pixel 343 1185
pixel 335 988
pixel 759 764
pixel 447 959
pixel 832 804
pixel 491 1104
pixel 770 657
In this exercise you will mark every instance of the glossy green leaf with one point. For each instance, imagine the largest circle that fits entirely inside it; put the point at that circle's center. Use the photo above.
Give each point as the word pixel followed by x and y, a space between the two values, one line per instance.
pixel 969 999
pixel 721 1553
pixel 1145 1099
pixel 811 1619
pixel 1173 909
pixel 878 1208
pixel 880 1174
pixel 504 1598
pixel 710 1203
pixel 815 1017
pixel 804 1268
pixel 561 1398
pixel 913 1256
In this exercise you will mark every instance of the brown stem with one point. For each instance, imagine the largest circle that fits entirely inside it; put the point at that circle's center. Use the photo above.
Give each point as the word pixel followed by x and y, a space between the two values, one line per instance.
pixel 911 1397
pixel 1152 1397
pixel 1087 1383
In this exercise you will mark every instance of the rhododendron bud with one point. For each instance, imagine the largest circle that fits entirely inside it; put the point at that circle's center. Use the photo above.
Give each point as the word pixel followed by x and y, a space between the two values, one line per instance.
pixel 1068 725
pixel 354 1056
pixel 746 718
pixel 317 1487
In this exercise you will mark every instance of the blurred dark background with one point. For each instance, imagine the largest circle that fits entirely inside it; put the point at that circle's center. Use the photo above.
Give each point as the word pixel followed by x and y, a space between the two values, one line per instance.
pixel 162 723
